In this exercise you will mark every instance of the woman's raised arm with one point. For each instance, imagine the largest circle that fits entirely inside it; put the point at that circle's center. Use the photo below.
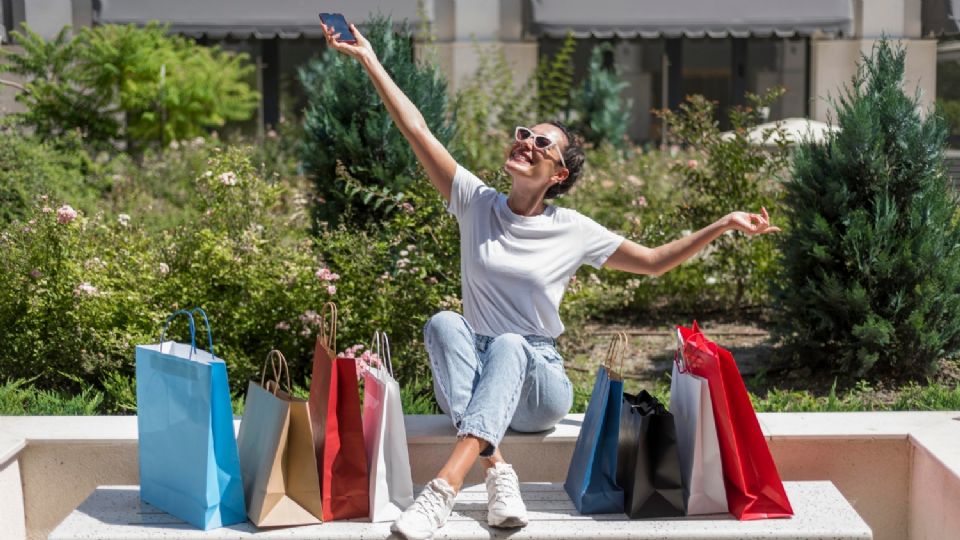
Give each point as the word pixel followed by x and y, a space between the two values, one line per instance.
pixel 634 258
pixel 436 160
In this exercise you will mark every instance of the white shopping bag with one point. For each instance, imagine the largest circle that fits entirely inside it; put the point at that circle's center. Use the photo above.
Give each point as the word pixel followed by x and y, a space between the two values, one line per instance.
pixel 700 467
pixel 385 438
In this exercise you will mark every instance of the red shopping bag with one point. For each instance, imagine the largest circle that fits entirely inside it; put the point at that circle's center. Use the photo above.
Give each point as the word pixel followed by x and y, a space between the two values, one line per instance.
pixel 337 427
pixel 753 486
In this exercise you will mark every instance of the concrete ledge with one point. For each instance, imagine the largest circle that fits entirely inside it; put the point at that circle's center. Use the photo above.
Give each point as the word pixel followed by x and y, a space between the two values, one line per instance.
pixel 821 513
pixel 900 470
pixel 12 525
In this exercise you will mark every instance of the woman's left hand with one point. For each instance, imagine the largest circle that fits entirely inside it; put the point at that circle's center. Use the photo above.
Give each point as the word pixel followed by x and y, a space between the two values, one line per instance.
pixel 751 224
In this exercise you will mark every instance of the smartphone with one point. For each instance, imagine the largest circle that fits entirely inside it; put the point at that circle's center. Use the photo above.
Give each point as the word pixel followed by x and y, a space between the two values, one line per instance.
pixel 338 25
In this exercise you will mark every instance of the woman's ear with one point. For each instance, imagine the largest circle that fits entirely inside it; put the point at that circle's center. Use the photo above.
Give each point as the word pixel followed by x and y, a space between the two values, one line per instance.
pixel 561 175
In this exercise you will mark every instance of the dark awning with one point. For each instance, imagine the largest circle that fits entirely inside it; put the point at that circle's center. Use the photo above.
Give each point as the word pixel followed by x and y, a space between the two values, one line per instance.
pixel 262 19
pixel 692 18
pixel 941 18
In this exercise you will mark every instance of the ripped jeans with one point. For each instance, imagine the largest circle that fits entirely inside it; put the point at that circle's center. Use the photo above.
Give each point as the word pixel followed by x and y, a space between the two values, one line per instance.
pixel 487 384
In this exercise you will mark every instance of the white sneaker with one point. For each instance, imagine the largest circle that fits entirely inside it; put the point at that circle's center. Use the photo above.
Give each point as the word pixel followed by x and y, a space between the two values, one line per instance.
pixel 505 508
pixel 427 513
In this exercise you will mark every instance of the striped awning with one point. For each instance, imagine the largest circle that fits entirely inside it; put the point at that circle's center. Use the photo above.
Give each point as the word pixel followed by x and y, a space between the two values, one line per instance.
pixel 242 19
pixel 692 18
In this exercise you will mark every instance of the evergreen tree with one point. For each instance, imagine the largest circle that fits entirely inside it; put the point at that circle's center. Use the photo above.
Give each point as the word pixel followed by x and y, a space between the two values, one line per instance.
pixel 346 122
pixel 602 113
pixel 872 252
pixel 554 78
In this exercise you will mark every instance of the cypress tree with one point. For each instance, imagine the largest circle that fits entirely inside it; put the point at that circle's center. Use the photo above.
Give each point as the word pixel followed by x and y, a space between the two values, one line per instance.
pixel 345 121
pixel 871 256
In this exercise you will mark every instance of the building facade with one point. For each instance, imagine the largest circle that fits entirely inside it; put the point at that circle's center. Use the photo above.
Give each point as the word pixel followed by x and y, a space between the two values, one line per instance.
pixel 665 50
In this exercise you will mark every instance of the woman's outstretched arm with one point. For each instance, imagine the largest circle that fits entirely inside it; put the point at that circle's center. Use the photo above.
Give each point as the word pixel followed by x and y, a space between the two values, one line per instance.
pixel 634 258
pixel 436 160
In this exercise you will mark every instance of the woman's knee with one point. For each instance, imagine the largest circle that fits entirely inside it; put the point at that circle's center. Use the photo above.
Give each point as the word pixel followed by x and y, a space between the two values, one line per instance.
pixel 507 344
pixel 443 323
pixel 542 419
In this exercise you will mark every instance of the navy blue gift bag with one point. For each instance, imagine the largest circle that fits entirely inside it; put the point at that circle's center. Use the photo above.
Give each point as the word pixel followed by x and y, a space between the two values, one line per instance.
pixel 189 464
pixel 592 476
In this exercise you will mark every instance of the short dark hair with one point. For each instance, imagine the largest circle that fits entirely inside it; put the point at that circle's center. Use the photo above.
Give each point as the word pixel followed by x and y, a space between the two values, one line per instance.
pixel 573 157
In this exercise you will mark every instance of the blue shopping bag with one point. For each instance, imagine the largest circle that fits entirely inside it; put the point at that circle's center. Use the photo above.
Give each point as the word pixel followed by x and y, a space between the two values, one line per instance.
pixel 592 477
pixel 189 465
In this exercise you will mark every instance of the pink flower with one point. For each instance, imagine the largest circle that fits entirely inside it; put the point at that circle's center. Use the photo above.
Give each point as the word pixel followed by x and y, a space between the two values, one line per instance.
pixel 271 134
pixel 640 201
pixel 407 207
pixel 35 273
pixel 46 209
pixel 334 277
pixel 85 289
pixel 432 280
pixel 692 164
pixel 66 214
pixel 331 290
pixel 282 325
pixel 323 274
pixel 228 178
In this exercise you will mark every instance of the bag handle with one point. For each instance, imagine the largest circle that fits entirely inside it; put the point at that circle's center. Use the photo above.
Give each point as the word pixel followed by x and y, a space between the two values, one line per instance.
pixel 382 348
pixel 328 328
pixel 206 322
pixel 279 365
pixel 616 350
pixel 193 329
pixel 678 357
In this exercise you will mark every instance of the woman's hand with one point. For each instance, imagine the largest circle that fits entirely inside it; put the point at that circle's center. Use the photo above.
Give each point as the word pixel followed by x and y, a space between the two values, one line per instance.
pixel 359 50
pixel 751 224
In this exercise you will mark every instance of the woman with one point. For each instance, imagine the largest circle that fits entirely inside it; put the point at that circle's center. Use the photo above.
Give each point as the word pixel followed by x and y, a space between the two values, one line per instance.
pixel 496 366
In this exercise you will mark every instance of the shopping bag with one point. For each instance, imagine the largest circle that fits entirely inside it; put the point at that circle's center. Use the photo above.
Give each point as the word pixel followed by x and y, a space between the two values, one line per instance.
pixel 187 450
pixel 753 486
pixel 648 464
pixel 701 468
pixel 338 429
pixel 385 437
pixel 279 467
pixel 592 477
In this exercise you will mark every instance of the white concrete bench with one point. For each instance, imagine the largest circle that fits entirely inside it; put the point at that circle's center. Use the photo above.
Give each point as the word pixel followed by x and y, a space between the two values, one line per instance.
pixel 115 512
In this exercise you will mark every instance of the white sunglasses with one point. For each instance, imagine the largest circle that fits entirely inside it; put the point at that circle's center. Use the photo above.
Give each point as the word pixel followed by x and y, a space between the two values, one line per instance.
pixel 541 142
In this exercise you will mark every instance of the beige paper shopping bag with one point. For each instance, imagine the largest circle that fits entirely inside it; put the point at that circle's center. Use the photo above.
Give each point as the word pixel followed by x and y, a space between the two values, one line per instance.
pixel 277 459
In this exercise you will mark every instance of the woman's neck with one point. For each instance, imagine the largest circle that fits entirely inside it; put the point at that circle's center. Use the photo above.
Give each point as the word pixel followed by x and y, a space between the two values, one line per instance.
pixel 526 204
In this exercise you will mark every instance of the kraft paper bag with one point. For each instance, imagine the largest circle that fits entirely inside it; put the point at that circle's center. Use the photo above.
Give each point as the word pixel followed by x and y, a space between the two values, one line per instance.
pixel 277 460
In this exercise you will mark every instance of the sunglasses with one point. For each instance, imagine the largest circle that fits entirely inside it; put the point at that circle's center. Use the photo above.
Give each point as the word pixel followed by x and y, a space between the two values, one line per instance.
pixel 540 142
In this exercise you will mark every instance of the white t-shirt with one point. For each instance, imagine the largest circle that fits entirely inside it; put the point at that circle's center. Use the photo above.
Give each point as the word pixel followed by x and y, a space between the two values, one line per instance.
pixel 515 268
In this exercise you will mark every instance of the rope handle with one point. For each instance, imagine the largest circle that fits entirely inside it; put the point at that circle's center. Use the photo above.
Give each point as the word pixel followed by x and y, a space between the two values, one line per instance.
pixel 381 345
pixel 279 366
pixel 679 358
pixel 328 328
pixel 616 350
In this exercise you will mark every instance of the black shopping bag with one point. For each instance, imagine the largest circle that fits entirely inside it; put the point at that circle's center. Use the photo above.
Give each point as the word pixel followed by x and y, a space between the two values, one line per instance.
pixel 648 463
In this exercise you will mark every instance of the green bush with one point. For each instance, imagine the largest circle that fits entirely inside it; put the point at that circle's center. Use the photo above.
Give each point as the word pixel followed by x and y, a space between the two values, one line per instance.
pixel 872 256
pixel 30 167
pixel 733 174
pixel 346 122
pixel 126 83
pixel 602 115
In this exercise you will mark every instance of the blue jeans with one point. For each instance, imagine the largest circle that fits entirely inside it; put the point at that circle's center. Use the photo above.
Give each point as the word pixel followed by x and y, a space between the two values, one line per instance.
pixel 487 384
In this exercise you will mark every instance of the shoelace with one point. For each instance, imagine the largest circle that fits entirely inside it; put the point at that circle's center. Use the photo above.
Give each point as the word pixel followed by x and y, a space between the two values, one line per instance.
pixel 508 485
pixel 431 502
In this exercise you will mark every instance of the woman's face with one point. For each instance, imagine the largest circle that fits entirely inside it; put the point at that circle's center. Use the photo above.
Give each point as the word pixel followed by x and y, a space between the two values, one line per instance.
pixel 526 162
